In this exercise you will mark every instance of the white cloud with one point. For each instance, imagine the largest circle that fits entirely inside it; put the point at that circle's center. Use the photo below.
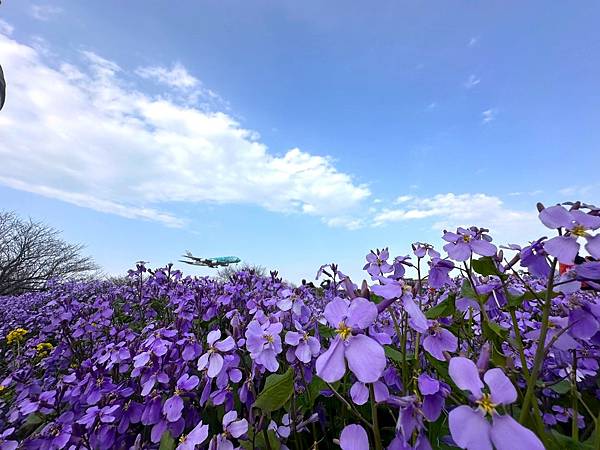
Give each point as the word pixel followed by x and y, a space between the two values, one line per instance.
pixel 94 141
pixel 403 199
pixel 447 211
pixel 489 115
pixel 6 28
pixel 471 82
pixel 473 41
pixel 44 12
pixel 177 76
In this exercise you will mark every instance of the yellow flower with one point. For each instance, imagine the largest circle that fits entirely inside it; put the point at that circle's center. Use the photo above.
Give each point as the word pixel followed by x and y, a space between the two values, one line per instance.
pixel 16 335
pixel 44 348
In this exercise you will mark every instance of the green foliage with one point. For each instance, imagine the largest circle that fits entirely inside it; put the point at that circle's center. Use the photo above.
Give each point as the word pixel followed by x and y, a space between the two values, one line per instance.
pixel 277 391
pixel 445 308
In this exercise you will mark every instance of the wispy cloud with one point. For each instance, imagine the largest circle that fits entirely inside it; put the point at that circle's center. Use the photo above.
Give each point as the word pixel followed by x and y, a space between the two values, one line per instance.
pixel 95 141
pixel 6 28
pixel 44 12
pixel 489 115
pixel 176 76
pixel 471 82
pixel 473 41
pixel 451 210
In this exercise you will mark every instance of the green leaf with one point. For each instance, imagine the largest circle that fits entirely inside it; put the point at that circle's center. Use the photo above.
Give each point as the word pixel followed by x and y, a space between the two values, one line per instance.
pixel 392 353
pixel 166 441
pixel 467 291
pixel 486 266
pixel 445 308
pixel 561 387
pixel 325 331
pixel 562 442
pixel 260 441
pixel 308 398
pixel 277 391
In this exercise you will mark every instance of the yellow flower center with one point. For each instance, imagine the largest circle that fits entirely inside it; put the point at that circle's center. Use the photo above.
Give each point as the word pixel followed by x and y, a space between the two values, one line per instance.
pixel 486 404
pixel 269 338
pixel 343 330
pixel 579 230
pixel 182 438
pixel 467 238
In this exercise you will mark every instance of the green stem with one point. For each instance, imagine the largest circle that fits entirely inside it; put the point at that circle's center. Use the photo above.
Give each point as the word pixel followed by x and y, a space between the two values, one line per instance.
pixel 375 427
pixel 539 353
pixel 349 406
pixel 574 427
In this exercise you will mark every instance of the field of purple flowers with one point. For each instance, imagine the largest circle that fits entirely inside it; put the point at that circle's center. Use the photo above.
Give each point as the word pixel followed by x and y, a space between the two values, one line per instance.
pixel 480 347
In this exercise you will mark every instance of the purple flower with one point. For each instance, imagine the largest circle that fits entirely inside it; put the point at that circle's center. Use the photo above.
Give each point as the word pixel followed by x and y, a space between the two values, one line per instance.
pixel 231 428
pixel 354 437
pixel 7 444
pixel 377 262
pixel 365 356
pixel 264 343
pixel 462 244
pixel 534 258
pixel 359 392
pixel 194 438
pixel 174 405
pixel 213 357
pixel 577 224
pixel 469 427
pixel 434 395
pixel 439 270
pixel 439 340
pixel 306 346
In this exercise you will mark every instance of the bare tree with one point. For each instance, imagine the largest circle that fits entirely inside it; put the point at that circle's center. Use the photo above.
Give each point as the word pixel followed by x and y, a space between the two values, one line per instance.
pixel 32 253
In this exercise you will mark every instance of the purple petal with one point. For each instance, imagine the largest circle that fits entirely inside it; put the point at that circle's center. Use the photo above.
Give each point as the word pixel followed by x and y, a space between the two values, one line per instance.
pixel 336 311
pixel 215 364
pixel 458 252
pixel 427 384
pixel 237 428
pixel 418 321
pixel 593 246
pixel 483 247
pixel 556 217
pixel 469 428
pixel 213 336
pixel 501 388
pixel 354 437
pixel 381 391
pixel 464 373
pixel 292 337
pixel 587 220
pixel 583 324
pixel 229 417
pixel 366 358
pixel 432 406
pixel 331 365
pixel 172 408
pixel 361 313
pixel 303 352
pixel 226 344
pixel 562 247
pixel 508 434
pixel 359 393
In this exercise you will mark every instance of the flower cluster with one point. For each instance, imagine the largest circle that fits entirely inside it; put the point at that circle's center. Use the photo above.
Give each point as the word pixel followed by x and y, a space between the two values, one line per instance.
pixel 472 346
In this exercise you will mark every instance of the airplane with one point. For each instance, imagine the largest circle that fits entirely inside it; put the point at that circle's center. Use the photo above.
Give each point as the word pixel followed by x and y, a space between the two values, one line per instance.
pixel 219 261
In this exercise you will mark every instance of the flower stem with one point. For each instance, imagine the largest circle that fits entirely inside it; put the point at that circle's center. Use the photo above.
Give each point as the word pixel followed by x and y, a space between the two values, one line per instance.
pixel 376 434
pixel 539 353
pixel 349 406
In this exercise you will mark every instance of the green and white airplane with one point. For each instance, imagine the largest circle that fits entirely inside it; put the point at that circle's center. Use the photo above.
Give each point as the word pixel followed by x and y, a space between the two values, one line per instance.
pixel 218 261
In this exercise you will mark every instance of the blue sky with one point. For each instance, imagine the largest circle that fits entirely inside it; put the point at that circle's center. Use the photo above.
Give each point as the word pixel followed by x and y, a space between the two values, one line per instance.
pixel 294 133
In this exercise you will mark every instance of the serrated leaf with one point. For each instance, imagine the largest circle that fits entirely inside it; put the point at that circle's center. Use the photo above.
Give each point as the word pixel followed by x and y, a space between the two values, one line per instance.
pixel 277 391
